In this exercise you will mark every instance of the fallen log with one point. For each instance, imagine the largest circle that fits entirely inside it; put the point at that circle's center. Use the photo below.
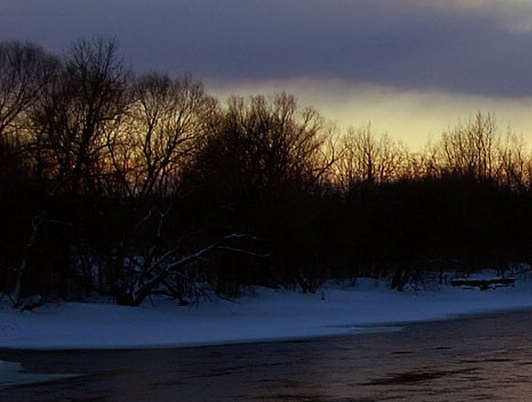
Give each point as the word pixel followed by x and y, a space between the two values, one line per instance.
pixel 483 284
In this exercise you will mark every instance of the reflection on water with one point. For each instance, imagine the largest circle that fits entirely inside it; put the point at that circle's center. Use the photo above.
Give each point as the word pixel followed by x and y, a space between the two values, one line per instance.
pixel 485 358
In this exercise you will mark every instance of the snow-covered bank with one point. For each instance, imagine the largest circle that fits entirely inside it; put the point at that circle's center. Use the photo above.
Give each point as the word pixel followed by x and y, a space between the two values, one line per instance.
pixel 262 315
pixel 14 374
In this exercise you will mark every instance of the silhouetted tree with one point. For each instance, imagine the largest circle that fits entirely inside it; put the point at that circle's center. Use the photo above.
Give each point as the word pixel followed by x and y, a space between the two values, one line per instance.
pixel 165 120
pixel 261 146
pixel 514 164
pixel 154 144
pixel 470 149
pixel 25 70
pixel 368 159
pixel 66 127
pixel 147 185
pixel 260 165
pixel 72 123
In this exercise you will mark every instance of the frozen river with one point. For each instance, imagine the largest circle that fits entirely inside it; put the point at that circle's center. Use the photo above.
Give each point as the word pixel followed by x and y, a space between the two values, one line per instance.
pixel 486 358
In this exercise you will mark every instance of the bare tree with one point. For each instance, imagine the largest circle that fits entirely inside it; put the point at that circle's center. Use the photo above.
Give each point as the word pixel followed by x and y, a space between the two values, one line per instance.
pixel 167 272
pixel 470 149
pixel 261 146
pixel 25 69
pixel 366 158
pixel 25 73
pixel 261 166
pixel 154 143
pixel 67 124
pixel 165 120
pixel 513 162
pixel 71 123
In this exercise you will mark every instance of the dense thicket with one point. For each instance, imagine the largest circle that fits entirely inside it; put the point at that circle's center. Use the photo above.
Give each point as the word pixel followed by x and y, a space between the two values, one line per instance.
pixel 134 185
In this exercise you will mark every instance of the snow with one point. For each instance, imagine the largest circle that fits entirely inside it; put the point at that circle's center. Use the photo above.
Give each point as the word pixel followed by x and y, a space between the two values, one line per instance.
pixel 262 314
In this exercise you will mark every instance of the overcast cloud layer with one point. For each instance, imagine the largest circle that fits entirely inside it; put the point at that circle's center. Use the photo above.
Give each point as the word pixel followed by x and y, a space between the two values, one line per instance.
pixel 412 67
pixel 475 47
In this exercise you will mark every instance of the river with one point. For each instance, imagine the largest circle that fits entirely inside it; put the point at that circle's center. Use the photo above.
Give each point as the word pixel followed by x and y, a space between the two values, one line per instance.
pixel 484 358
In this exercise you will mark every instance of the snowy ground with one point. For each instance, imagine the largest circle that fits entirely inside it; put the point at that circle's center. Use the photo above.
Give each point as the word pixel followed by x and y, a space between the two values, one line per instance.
pixel 261 315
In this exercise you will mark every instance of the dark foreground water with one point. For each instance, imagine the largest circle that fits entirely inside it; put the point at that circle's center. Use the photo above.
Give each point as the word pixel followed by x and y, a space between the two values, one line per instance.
pixel 477 359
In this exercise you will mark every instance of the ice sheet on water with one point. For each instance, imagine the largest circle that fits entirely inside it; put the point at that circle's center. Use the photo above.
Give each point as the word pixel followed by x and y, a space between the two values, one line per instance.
pixel 12 373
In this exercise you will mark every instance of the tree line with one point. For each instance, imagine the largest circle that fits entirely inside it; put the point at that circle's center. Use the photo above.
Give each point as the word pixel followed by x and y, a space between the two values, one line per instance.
pixel 131 185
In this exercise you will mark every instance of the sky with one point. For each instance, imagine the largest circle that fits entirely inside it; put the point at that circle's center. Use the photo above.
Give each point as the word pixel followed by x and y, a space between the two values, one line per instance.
pixel 412 68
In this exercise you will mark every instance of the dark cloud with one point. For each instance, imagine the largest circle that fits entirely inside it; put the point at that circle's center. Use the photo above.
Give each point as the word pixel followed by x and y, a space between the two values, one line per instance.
pixel 359 41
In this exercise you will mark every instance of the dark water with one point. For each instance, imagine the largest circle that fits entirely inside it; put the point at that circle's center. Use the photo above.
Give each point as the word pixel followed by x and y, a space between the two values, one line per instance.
pixel 477 359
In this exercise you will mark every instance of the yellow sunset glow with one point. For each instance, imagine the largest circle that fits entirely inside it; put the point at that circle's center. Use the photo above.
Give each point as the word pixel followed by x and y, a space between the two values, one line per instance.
pixel 410 116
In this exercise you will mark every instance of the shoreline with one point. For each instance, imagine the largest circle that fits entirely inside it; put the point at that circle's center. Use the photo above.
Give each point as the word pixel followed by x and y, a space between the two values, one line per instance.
pixel 363 330
pixel 263 316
